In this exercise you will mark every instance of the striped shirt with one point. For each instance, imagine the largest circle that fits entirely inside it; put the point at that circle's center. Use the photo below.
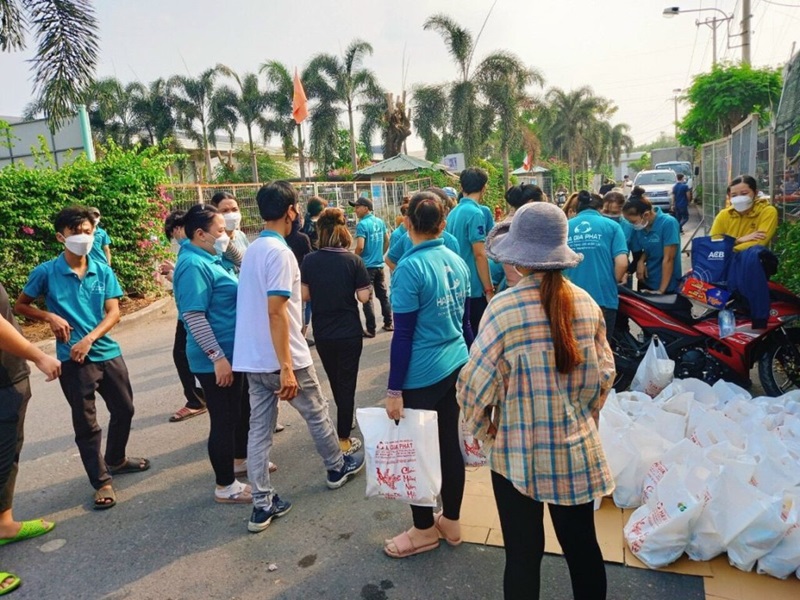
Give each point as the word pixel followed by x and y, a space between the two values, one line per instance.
pixel 547 443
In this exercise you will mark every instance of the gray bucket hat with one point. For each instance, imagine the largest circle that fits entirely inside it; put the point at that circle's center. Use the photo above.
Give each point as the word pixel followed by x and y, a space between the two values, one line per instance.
pixel 536 238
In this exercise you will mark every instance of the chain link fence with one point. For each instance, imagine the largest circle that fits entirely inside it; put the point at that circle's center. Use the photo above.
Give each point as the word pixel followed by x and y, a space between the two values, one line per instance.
pixel 386 196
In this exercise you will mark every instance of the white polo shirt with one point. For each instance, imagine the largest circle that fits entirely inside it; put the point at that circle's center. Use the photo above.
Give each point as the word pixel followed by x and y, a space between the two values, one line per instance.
pixel 269 269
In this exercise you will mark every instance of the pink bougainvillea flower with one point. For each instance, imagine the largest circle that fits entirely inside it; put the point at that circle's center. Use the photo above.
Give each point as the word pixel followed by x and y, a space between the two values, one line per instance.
pixel 27 230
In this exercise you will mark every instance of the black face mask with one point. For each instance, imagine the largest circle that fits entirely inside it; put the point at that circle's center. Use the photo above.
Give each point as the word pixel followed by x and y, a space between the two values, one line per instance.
pixel 295 225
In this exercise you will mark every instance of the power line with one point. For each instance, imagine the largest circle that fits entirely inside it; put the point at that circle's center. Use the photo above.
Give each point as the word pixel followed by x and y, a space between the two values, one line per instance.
pixel 781 4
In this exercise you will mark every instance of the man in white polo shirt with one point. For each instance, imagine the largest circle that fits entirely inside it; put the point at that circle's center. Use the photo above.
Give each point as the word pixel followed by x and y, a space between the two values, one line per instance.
pixel 269 347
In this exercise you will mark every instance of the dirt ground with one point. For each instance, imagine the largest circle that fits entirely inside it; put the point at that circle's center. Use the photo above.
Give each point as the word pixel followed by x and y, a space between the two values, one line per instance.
pixel 36 331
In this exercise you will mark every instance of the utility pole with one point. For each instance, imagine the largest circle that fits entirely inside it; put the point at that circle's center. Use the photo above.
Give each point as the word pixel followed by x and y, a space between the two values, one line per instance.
pixel 675 99
pixel 746 32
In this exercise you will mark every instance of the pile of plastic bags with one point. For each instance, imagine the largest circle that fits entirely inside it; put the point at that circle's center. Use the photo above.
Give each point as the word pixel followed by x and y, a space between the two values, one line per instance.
pixel 709 470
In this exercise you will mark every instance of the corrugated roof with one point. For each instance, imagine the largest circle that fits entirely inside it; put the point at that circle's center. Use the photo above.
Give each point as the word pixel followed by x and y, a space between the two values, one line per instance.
pixel 533 171
pixel 398 164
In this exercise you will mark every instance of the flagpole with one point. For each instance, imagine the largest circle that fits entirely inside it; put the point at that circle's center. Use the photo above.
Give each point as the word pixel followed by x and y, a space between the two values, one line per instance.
pixel 300 153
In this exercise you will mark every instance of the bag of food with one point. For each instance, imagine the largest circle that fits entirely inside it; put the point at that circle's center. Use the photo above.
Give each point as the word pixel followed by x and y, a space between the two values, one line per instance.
pixel 655 372
pixel 402 458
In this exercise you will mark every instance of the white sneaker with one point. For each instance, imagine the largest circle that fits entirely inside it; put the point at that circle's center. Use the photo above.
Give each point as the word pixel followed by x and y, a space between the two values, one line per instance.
pixel 235 493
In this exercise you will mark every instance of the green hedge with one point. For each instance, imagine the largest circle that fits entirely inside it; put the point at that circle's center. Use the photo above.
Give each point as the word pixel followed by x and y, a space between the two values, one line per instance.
pixel 787 249
pixel 126 185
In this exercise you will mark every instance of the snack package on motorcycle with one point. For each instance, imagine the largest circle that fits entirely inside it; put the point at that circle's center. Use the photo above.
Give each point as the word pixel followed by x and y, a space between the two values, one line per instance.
pixel 705 293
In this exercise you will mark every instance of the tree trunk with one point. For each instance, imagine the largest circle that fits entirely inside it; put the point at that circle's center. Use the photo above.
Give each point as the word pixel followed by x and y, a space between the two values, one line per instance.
pixel 506 174
pixel 353 154
pixel 253 161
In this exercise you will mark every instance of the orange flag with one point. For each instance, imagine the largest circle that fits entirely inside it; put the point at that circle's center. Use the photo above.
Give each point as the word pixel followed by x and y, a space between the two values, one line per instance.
pixel 299 101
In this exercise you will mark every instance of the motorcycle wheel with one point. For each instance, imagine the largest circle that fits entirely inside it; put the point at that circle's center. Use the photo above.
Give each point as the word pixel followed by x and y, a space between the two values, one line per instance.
pixel 778 367
pixel 627 356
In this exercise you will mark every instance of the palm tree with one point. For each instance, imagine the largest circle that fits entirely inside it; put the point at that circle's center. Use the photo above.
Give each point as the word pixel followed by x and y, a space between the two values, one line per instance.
pixel 431 118
pixel 279 95
pixel 112 114
pixel 470 118
pixel 229 109
pixel 153 110
pixel 503 79
pixel 335 82
pixel 66 55
pixel 571 119
pixel 192 98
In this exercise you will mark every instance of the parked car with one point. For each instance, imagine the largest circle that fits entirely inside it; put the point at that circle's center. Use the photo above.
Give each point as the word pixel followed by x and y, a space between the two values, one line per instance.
pixel 657 184
pixel 679 166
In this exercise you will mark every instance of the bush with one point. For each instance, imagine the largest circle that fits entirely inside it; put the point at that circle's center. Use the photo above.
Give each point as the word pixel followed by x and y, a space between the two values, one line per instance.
pixel 787 249
pixel 125 185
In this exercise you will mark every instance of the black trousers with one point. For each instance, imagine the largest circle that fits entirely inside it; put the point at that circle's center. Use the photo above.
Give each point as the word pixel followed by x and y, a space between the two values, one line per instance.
pixel 13 405
pixel 610 316
pixel 377 280
pixel 477 306
pixel 229 418
pixel 521 520
pixel 441 397
pixel 193 394
pixel 340 360
pixel 80 383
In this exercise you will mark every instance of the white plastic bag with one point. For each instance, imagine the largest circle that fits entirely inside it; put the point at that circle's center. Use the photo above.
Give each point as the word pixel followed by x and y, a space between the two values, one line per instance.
pixel 403 460
pixel 784 559
pixel 763 534
pixel 655 371
pixel 471 447
pixel 658 532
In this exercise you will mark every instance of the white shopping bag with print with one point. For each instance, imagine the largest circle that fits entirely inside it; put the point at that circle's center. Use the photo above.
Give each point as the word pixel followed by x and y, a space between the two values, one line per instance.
pixel 658 532
pixel 471 447
pixel 403 460
pixel 655 372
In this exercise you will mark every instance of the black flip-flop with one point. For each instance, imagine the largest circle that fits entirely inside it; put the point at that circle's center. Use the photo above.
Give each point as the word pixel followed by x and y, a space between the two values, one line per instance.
pixel 131 465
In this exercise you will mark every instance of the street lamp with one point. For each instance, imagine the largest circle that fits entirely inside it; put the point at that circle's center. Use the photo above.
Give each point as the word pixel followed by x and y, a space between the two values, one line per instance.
pixel 675 99
pixel 714 22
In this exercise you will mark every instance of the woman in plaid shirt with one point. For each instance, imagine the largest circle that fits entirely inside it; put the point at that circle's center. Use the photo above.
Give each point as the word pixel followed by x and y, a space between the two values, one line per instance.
pixel 537 376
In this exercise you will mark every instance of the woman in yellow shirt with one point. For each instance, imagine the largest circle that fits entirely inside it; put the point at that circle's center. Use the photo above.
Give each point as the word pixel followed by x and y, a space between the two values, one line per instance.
pixel 751 220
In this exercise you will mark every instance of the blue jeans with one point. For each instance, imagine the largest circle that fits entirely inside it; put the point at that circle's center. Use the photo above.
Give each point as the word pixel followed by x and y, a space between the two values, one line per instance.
pixel 263 416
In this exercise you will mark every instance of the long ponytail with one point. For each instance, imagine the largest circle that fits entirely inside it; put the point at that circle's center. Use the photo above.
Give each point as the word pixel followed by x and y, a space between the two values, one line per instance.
pixel 560 310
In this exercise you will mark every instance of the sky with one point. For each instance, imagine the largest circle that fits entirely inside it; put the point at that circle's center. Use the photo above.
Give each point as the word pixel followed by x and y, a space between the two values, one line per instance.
pixel 624 49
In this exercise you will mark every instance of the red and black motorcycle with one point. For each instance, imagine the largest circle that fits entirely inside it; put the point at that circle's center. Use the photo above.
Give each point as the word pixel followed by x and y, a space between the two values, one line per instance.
pixel 694 342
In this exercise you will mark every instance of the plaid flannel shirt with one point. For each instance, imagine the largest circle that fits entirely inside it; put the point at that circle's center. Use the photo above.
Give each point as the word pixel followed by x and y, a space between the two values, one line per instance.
pixel 547 443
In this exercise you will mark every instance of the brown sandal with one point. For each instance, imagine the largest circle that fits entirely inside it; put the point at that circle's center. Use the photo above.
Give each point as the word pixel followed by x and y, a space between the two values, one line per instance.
pixel 404 547
pixel 436 521
pixel 101 496
pixel 184 413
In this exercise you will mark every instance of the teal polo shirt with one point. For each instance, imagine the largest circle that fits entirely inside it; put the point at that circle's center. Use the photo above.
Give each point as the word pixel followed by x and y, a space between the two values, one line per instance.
pixel 468 224
pixel 100 239
pixel 201 284
pixel 600 240
pixel 395 237
pixel 664 231
pixel 404 244
pixel 80 302
pixel 433 282
pixel 373 230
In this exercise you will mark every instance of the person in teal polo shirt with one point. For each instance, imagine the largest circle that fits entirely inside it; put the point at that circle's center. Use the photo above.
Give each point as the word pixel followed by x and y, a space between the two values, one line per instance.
pixel 372 242
pixel 101 249
pixel 605 256
pixel 468 224
pixel 430 291
pixel 82 297
pixel 404 244
pixel 205 292
pixel 657 236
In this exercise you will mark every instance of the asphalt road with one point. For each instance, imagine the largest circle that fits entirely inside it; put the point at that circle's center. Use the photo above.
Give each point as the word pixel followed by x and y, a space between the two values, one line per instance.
pixel 167 538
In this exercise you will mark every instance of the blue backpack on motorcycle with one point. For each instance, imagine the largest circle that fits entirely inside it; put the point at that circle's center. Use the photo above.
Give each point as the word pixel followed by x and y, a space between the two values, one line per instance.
pixel 711 258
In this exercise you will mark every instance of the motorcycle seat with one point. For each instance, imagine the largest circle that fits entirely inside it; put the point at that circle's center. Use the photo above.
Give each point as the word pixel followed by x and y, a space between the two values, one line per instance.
pixel 673 303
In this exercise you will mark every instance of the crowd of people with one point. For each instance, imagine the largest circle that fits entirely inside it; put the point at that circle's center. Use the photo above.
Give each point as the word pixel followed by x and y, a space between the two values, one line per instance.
pixel 504 325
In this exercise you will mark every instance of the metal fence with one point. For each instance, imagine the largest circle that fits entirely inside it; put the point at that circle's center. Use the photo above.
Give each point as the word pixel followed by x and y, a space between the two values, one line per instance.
pixel 386 197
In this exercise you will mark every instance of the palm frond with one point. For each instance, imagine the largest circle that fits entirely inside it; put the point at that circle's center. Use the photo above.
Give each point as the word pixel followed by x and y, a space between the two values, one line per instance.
pixel 66 54
pixel 458 39
pixel 12 26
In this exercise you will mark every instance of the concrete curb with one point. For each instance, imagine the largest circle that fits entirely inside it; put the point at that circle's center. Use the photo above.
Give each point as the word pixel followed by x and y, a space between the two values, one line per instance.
pixel 158 306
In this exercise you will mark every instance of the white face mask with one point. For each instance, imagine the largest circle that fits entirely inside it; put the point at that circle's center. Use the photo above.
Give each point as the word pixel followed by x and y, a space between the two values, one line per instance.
pixel 232 220
pixel 80 244
pixel 639 226
pixel 221 243
pixel 742 203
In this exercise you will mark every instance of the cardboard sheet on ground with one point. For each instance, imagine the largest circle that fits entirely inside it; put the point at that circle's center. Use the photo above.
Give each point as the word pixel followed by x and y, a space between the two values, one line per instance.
pixel 481 525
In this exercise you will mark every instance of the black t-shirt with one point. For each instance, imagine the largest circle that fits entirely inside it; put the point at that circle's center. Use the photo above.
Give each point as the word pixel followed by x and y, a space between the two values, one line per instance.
pixel 605 188
pixel 300 245
pixel 13 369
pixel 333 275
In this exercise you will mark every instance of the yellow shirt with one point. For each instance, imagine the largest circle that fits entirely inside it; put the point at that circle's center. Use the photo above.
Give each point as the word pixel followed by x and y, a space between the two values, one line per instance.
pixel 762 217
